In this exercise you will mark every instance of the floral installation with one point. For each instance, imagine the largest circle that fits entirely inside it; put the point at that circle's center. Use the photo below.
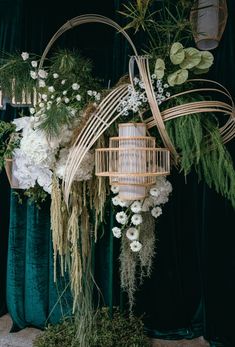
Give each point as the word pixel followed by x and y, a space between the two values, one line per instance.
pixel 130 218
pixel 69 118
pixel 136 229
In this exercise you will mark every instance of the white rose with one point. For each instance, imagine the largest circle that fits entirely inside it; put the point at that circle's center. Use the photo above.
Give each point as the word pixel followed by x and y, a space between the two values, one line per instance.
pixel 75 86
pixel 33 75
pixel 41 83
pixel 55 75
pixel 34 63
pixel 116 232
pixel 42 73
pixel 25 55
pixel 78 97
pixel 32 110
pixel 66 100
pixel 51 89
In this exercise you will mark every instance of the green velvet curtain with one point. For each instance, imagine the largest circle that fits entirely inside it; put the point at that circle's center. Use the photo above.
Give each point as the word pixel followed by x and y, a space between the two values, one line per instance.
pixel 191 291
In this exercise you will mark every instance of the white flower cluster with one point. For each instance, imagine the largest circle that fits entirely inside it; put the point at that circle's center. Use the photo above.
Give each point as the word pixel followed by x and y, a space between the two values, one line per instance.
pixel 36 158
pixel 137 99
pixel 131 218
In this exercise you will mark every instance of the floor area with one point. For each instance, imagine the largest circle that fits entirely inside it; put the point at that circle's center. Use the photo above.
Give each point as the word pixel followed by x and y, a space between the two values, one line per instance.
pixel 25 337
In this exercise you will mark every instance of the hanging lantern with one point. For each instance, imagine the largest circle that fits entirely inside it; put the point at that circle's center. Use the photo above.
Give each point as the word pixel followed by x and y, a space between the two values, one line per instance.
pixel 208 19
pixel 132 161
pixel 10 168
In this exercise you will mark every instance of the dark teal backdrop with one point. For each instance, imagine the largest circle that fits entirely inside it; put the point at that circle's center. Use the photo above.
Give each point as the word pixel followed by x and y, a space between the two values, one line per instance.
pixel 191 291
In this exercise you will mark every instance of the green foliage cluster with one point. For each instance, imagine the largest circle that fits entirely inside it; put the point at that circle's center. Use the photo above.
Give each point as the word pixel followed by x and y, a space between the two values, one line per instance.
pixel 14 71
pixel 200 146
pixel 162 25
pixel 6 148
pixel 70 68
pixel 118 331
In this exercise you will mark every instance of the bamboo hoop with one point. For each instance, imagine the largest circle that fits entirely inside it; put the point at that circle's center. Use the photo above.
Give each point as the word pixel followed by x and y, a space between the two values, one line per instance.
pixel 107 111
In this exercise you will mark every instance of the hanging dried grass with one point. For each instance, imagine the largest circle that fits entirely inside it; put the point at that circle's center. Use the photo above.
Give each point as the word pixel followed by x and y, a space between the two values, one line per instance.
pixel 134 267
pixel 58 222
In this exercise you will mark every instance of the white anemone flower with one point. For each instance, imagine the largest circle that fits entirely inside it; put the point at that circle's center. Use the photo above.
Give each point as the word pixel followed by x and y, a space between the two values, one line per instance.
pixel 121 217
pixel 136 207
pixel 116 232
pixel 136 219
pixel 132 234
pixel 115 189
pixel 154 191
pixel 135 246
pixel 115 201
pixel 156 212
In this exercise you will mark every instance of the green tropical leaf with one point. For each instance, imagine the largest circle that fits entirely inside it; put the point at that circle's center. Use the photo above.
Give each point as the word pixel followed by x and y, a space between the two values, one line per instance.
pixel 192 58
pixel 207 60
pixel 178 77
pixel 177 53
pixel 197 71
pixel 159 68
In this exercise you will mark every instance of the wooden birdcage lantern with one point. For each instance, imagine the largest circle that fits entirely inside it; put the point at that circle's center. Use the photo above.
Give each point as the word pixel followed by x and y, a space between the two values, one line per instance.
pixel 132 161
pixel 10 168
pixel 208 19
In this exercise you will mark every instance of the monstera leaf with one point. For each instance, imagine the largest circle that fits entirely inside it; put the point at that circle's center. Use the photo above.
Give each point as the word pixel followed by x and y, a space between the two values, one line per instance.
pixel 178 77
pixel 159 68
pixel 177 53
pixel 206 61
pixel 197 71
pixel 192 58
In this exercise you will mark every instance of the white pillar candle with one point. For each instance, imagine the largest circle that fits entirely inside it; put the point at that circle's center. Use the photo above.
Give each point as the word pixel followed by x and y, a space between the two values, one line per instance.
pixel 132 161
